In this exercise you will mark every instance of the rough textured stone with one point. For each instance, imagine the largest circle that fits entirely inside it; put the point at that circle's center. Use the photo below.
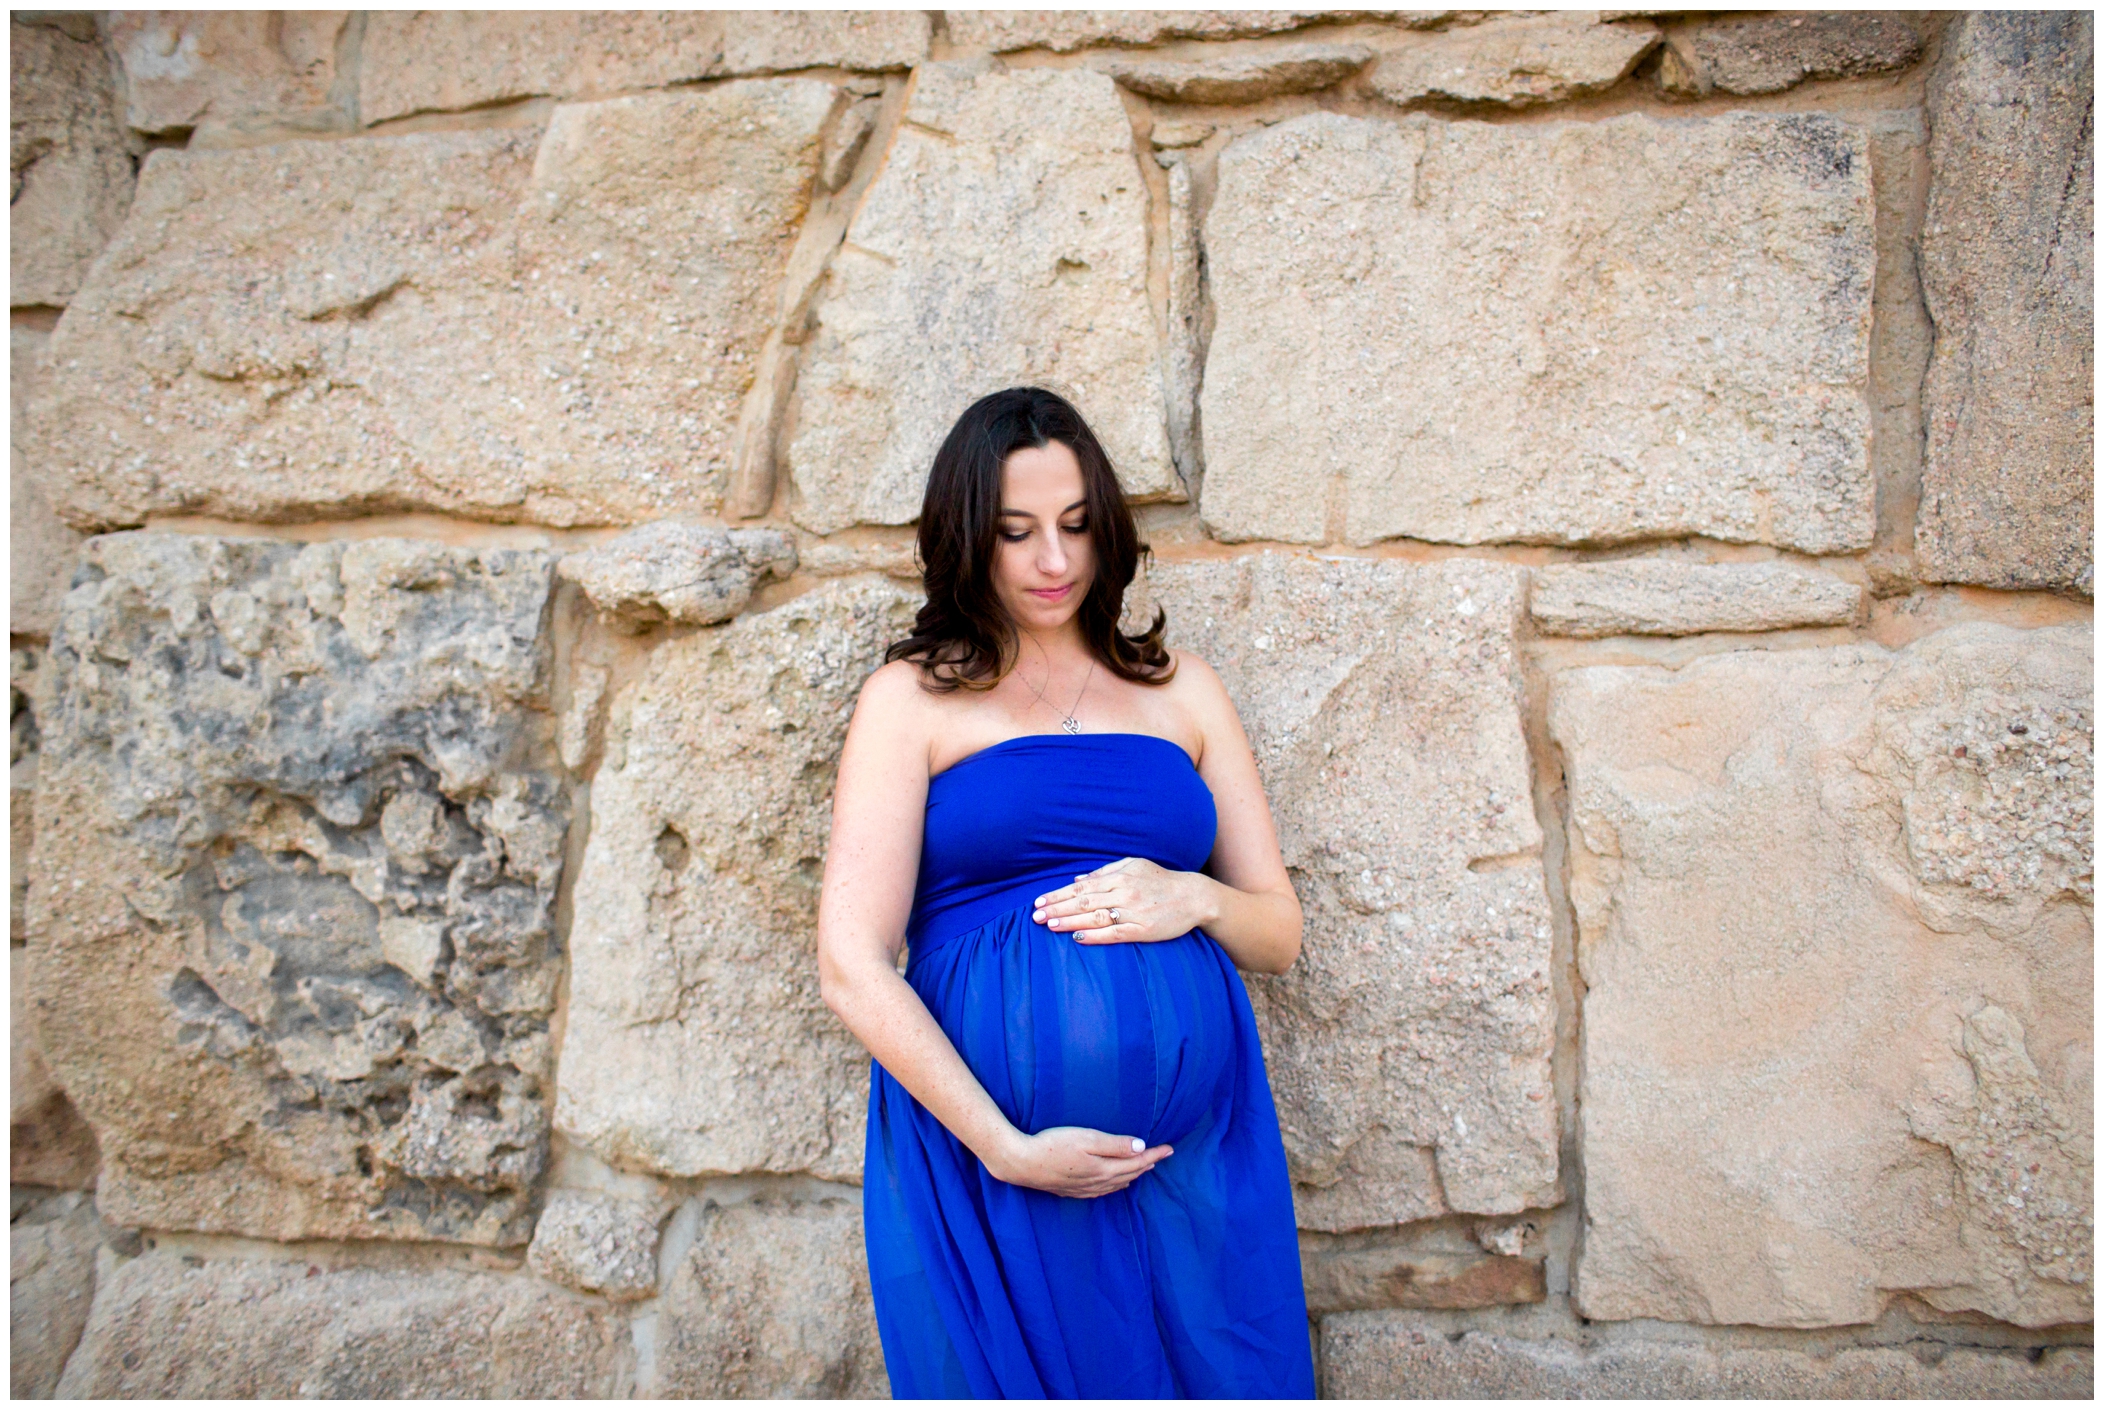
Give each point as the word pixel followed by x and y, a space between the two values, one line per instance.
pixel 696 1042
pixel 230 70
pixel 1004 242
pixel 272 774
pixel 1065 30
pixel 50 1283
pixel 165 1326
pixel 1409 1046
pixel 1238 78
pixel 418 60
pixel 1559 333
pixel 597 1243
pixel 72 173
pixel 1183 353
pixel 772 1301
pixel 1659 597
pixel 2007 254
pixel 48 1144
pixel 1375 1355
pixel 1769 53
pixel 1834 925
pixel 1515 62
pixel 557 328
pixel 1388 1268
pixel 40 547
pixel 25 662
pixel 686 574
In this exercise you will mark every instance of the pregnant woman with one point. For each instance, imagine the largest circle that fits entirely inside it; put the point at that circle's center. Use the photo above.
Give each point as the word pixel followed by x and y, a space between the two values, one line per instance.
pixel 1074 1183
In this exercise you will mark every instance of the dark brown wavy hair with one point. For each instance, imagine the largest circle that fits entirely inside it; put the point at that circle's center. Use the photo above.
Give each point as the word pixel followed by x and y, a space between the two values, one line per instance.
pixel 963 633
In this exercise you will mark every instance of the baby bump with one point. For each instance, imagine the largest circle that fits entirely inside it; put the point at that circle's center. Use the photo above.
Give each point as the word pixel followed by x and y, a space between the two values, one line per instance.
pixel 1135 1039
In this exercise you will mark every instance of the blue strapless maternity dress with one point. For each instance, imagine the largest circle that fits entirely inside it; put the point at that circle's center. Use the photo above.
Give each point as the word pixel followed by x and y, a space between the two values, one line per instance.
pixel 1186 1282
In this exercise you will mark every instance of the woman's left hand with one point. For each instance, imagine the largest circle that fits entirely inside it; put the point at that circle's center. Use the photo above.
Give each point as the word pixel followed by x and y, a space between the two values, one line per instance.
pixel 1129 899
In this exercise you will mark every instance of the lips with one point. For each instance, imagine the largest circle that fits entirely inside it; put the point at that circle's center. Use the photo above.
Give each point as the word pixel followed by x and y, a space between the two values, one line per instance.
pixel 1050 594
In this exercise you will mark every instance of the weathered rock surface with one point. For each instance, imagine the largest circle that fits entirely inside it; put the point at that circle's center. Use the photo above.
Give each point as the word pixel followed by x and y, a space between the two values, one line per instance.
pixel 50 1283
pixel 419 60
pixel 1409 1045
pixel 1514 62
pixel 1376 1355
pixel 597 1243
pixel 1004 242
pixel 228 71
pixel 290 927
pixel 1656 327
pixel 71 170
pixel 40 547
pixel 696 1042
pixel 1834 915
pixel 685 574
pixel 165 1326
pixel 772 1301
pixel 48 1144
pixel 1065 30
pixel 1769 53
pixel 1659 597
pixel 1238 78
pixel 557 328
pixel 1385 1268
pixel 2007 254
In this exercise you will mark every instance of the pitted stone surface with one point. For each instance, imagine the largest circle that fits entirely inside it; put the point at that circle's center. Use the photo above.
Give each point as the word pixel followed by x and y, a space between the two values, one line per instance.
pixel 1065 30
pixel 697 1043
pixel 47 1142
pixel 273 776
pixel 1769 53
pixel 1239 78
pixel 1657 327
pixel 229 70
pixel 169 1327
pixel 71 171
pixel 686 574
pixel 1004 242
pixel 772 1301
pixel 50 1284
pixel 40 548
pixel 597 1243
pixel 557 327
pixel 1659 597
pixel 1377 1355
pixel 1514 62
pixel 1409 1045
pixel 423 60
pixel 1842 895
pixel 2007 253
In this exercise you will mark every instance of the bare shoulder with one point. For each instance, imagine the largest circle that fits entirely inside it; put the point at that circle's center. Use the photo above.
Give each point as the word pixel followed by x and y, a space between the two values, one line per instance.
pixel 892 703
pixel 1201 686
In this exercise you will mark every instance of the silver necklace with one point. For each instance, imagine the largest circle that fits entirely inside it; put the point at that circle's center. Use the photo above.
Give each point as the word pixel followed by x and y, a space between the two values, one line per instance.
pixel 1067 721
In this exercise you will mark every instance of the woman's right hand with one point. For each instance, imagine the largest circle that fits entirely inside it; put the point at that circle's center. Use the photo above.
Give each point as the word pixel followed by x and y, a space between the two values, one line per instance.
pixel 1075 1161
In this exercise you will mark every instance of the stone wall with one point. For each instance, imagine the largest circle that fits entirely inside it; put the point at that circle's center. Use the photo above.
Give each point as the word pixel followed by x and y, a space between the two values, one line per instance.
pixel 1632 469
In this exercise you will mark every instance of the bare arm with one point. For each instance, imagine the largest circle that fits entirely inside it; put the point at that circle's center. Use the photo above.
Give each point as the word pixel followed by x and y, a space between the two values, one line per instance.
pixel 879 802
pixel 1243 899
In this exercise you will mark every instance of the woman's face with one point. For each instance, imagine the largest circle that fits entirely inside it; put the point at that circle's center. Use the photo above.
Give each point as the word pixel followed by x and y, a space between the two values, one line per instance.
pixel 1045 559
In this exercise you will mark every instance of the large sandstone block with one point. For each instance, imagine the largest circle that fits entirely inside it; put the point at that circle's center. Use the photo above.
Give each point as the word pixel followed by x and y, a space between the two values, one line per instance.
pixel 421 60
pixel 1769 53
pixel 40 547
pixel 2007 253
pixel 1834 914
pixel 47 1142
pixel 1556 333
pixel 1515 62
pixel 1235 77
pixel 165 1326
pixel 1408 1048
pixel 50 1284
pixel 71 170
pixel 1377 1355
pixel 1004 242
pixel 208 72
pixel 1064 30
pixel 696 1041
pixel 556 327
pixel 291 948
pixel 771 1300
pixel 1662 597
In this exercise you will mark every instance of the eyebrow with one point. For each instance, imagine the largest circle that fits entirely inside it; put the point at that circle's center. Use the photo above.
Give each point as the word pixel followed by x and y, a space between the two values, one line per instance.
pixel 1077 504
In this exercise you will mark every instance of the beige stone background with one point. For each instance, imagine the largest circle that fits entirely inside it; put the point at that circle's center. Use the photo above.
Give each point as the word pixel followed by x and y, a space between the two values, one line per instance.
pixel 1632 468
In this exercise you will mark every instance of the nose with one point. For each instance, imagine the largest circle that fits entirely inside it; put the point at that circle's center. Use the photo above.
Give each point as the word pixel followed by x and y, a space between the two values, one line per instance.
pixel 1052 558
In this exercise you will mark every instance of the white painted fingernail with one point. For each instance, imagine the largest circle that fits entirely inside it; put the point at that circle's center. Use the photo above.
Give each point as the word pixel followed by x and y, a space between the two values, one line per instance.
pixel 1138 1145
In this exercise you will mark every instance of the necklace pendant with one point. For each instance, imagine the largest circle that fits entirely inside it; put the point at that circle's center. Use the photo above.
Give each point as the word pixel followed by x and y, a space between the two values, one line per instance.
pixel 1070 725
